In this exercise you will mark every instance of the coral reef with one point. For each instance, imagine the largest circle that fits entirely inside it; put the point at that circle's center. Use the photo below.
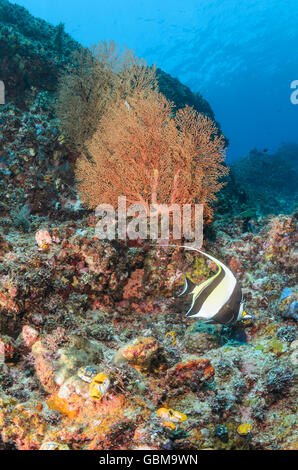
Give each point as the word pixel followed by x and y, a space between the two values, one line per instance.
pixel 95 349
pixel 32 52
pixel 269 180
pixel 241 378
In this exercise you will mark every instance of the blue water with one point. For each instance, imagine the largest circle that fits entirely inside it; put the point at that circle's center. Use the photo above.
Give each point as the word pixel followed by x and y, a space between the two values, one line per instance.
pixel 241 55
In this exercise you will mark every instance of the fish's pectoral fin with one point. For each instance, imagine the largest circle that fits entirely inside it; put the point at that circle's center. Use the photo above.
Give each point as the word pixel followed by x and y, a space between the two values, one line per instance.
pixel 188 287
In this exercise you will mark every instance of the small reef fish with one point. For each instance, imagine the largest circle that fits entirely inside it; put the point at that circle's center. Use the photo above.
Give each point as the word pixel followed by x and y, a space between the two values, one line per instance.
pixel 87 373
pixel 171 416
pixel 244 429
pixel 99 386
pixel 219 299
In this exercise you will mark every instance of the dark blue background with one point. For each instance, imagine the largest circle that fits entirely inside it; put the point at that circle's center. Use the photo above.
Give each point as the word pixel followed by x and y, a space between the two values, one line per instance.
pixel 241 54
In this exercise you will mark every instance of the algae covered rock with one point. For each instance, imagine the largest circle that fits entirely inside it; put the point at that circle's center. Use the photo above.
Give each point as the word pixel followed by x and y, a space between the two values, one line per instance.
pixel 190 374
pixel 279 380
pixel 74 385
pixel 288 304
pixel 55 366
pixel 200 338
pixel 31 51
pixel 140 353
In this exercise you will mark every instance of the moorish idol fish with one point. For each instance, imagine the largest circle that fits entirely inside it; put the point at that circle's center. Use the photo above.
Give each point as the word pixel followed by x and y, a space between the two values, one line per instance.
pixel 219 299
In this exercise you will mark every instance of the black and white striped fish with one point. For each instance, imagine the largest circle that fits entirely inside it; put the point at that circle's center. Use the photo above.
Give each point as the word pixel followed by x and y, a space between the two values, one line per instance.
pixel 219 299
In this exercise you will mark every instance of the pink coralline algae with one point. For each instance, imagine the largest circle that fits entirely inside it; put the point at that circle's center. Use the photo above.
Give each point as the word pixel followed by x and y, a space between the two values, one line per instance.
pixel 43 239
pixel 30 336
pixel 134 286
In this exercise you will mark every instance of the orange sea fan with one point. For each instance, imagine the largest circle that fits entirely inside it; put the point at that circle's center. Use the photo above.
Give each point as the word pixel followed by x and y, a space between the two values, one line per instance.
pixel 143 151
